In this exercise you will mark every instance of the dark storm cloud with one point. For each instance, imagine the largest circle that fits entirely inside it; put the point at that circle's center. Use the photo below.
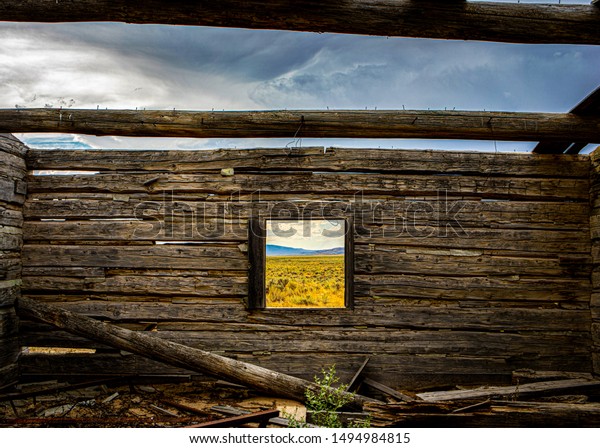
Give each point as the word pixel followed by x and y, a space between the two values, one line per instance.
pixel 152 66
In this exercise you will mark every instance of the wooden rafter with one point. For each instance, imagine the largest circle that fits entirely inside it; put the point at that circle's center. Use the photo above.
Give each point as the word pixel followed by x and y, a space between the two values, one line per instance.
pixel 589 107
pixel 485 21
pixel 314 124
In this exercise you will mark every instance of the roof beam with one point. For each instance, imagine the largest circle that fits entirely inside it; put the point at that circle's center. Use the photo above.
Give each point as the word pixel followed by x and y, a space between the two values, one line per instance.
pixel 307 123
pixel 588 107
pixel 485 21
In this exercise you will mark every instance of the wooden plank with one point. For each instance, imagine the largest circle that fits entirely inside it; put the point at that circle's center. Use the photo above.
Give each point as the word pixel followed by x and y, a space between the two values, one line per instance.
pixel 12 145
pixel 523 242
pixel 11 238
pixel 198 313
pixel 394 235
pixel 44 271
pixel 524 347
pixel 9 323
pixel 13 164
pixel 202 284
pixel 10 266
pixel 353 383
pixel 11 217
pixel 475 288
pixel 387 390
pixel 468 213
pixel 511 126
pixel 378 259
pixel 524 414
pixel 166 283
pixel 530 389
pixel 311 159
pixel 10 349
pixel 261 417
pixel 8 194
pixel 529 376
pixel 398 371
pixel 9 291
pixel 168 256
pixel 9 375
pixel 513 22
pixel 229 410
pixel 350 184
pixel 250 341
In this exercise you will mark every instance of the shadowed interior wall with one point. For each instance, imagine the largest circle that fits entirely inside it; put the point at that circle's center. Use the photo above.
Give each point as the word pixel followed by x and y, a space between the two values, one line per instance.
pixel 12 196
pixel 467 265
pixel 595 236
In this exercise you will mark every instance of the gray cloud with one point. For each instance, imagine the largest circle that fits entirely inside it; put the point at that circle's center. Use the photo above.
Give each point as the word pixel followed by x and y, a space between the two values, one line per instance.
pixel 152 66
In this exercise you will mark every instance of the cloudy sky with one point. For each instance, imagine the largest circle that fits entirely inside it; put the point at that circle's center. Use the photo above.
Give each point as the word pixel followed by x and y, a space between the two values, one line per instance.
pixel 114 65
pixel 315 234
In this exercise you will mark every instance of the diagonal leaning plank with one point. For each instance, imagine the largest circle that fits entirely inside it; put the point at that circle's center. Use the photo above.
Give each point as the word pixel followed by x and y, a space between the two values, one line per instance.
pixel 178 355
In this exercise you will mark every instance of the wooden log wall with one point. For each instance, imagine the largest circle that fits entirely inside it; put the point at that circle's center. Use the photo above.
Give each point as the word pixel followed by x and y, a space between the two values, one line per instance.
pixel 595 237
pixel 12 197
pixel 467 265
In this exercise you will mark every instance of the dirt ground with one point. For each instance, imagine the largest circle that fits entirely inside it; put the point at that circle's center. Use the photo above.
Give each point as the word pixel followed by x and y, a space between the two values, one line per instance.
pixel 133 405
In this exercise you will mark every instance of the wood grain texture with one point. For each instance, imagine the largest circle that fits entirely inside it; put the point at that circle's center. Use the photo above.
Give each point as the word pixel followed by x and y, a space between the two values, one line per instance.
pixel 401 372
pixel 595 252
pixel 517 414
pixel 264 380
pixel 334 184
pixel 312 158
pixel 523 23
pixel 511 126
pixel 13 189
pixel 212 314
pixel 457 287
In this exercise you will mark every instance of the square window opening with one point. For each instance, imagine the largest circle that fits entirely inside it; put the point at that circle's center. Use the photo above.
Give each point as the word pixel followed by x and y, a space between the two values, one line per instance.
pixel 301 263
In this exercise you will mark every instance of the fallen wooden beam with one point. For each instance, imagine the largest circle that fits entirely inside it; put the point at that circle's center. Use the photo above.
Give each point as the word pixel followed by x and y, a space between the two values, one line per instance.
pixel 178 355
pixel 530 389
pixel 387 390
pixel 261 417
pixel 516 126
pixel 493 414
pixel 354 383
pixel 502 22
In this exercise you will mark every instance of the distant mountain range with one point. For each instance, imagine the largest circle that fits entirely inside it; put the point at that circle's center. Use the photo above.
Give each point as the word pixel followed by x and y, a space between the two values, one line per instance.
pixel 273 249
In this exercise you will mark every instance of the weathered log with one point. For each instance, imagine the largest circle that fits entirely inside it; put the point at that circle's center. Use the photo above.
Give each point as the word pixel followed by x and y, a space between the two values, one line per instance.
pixel 524 23
pixel 174 354
pixel 307 123
pixel 530 389
pixel 313 159
pixel 495 414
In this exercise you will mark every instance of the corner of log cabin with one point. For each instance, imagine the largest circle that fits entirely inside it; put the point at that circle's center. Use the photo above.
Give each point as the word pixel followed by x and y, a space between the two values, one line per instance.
pixel 595 239
pixel 12 197
pixel 467 266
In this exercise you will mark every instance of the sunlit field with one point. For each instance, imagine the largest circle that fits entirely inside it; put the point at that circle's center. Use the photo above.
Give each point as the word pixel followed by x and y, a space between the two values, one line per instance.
pixel 305 281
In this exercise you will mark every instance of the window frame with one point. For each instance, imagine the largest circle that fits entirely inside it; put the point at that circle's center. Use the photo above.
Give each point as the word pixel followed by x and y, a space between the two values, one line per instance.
pixel 257 242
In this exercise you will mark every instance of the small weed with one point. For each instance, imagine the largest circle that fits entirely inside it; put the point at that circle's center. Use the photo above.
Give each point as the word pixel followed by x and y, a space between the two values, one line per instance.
pixel 326 402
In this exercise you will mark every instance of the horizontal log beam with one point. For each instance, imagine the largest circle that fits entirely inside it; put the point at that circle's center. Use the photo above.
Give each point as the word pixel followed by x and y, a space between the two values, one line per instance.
pixel 510 126
pixel 502 22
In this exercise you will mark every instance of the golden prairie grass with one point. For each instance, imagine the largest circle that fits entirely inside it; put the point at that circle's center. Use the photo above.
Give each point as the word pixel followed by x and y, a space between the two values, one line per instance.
pixel 305 281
